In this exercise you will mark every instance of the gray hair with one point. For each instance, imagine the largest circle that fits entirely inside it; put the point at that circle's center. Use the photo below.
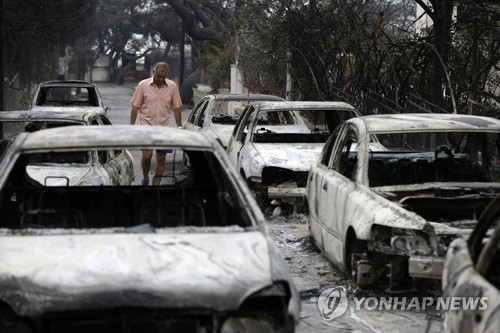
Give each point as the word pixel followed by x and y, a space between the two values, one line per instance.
pixel 161 65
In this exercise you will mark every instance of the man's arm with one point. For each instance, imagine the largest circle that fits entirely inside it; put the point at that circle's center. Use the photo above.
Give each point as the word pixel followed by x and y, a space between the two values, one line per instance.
pixel 133 114
pixel 178 116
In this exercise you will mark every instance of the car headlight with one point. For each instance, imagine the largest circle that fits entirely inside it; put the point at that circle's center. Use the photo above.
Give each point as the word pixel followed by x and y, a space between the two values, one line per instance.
pixel 264 311
pixel 413 244
pixel 244 324
pixel 403 241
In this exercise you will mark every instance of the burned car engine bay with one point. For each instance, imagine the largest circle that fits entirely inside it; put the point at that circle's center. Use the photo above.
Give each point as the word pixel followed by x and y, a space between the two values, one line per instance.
pixel 449 188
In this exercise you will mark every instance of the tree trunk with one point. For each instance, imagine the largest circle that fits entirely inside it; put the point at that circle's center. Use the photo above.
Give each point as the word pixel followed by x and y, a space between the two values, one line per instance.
pixel 441 39
pixel 1 53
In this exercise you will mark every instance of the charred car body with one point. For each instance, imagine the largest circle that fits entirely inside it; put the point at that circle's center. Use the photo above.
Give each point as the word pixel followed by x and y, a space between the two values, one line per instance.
pixel 471 272
pixel 104 168
pixel 190 255
pixel 215 115
pixel 274 144
pixel 68 95
pixel 389 215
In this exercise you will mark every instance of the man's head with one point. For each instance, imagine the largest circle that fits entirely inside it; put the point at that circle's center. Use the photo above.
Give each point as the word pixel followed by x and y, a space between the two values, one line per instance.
pixel 160 73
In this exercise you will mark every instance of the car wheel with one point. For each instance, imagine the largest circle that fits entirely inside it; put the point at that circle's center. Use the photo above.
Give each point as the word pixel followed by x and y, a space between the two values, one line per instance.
pixel 261 198
pixel 259 195
pixel 312 242
pixel 357 262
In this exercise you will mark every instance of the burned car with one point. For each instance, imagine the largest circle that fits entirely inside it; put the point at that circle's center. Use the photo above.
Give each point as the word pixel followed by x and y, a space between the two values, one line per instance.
pixel 215 115
pixel 189 255
pixel 387 216
pixel 471 273
pixel 68 95
pixel 274 144
pixel 106 167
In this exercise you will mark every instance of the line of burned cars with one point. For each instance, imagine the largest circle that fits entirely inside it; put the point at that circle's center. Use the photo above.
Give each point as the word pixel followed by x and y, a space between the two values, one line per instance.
pixel 390 192
pixel 189 255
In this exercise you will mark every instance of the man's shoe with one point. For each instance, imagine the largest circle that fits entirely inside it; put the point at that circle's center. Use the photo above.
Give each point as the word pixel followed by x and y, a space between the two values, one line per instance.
pixel 145 182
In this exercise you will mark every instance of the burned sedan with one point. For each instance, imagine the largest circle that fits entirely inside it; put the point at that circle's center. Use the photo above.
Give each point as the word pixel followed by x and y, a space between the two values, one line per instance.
pixel 274 144
pixel 387 217
pixel 188 255
pixel 215 115
pixel 106 167
pixel 69 95
pixel 471 274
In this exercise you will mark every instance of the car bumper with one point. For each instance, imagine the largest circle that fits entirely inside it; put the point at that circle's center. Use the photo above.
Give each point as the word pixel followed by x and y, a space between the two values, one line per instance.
pixel 425 267
pixel 284 192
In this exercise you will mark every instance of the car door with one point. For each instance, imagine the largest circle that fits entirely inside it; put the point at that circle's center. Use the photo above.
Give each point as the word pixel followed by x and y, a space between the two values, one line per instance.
pixel 485 281
pixel 315 195
pixel 336 188
pixel 475 277
pixel 240 136
pixel 193 121
pixel 117 164
pixel 120 166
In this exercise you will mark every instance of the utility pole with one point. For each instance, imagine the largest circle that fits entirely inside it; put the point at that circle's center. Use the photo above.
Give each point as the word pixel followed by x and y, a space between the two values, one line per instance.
pixel 182 55
pixel 472 107
pixel 2 20
pixel 288 92
pixel 288 85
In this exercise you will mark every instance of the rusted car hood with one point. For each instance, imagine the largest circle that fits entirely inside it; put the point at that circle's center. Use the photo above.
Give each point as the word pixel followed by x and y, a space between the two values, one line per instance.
pixel 74 272
pixel 292 156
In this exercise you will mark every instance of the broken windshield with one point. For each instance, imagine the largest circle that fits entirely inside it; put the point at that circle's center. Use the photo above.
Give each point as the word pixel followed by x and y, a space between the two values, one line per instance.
pixel 428 157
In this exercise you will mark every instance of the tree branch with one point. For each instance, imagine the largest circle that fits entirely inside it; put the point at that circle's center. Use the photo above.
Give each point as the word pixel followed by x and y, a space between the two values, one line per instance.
pixel 193 14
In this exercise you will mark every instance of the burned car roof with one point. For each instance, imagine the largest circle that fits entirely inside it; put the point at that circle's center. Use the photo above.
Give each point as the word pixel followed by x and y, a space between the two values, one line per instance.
pixel 304 105
pixel 79 83
pixel 249 97
pixel 46 114
pixel 119 136
pixel 426 122
pixel 65 81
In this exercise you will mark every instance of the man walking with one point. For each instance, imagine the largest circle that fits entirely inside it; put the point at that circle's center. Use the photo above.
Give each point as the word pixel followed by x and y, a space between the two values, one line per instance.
pixel 153 99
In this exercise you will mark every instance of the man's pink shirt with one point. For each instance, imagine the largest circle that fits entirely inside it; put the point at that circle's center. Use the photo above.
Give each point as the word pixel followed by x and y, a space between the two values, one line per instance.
pixel 155 103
